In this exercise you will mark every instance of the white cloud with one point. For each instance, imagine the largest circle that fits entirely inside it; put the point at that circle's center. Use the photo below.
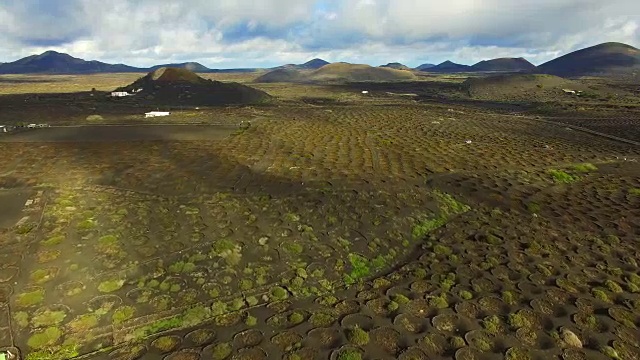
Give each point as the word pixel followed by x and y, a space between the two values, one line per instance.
pixel 247 32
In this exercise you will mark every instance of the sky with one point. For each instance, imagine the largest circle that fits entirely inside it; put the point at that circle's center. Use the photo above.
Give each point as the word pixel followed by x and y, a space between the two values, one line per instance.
pixel 266 33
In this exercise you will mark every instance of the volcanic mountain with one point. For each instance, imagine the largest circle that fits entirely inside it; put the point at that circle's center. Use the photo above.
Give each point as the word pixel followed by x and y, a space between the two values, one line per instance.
pixel 281 75
pixel 504 65
pixel 608 59
pixel 51 62
pixel 191 66
pixel 313 64
pixel 337 72
pixel 396 65
pixel 425 67
pixel 449 67
pixel 175 86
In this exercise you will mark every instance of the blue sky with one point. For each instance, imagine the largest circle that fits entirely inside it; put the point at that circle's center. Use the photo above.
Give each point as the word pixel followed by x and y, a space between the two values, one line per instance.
pixel 251 33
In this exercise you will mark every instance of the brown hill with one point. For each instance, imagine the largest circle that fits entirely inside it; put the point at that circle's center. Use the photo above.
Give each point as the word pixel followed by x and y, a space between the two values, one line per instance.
pixel 338 73
pixel 520 87
pixel 281 75
pixel 172 86
pixel 396 65
pixel 345 72
pixel 504 65
pixel 608 59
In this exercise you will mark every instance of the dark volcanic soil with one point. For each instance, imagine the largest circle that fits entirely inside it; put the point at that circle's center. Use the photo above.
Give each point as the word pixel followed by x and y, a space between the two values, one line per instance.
pixel 405 230
pixel 110 133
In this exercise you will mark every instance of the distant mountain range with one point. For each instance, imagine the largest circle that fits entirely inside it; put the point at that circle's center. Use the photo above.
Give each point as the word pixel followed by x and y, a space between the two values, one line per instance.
pixel 425 67
pixel 449 67
pixel 52 62
pixel 604 59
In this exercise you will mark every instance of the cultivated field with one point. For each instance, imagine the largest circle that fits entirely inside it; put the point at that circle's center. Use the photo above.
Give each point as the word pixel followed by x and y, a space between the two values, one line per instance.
pixel 335 225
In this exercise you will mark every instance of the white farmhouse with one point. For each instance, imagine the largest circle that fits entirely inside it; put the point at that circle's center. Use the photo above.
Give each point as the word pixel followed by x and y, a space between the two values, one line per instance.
pixel 3 129
pixel 156 114
pixel 119 94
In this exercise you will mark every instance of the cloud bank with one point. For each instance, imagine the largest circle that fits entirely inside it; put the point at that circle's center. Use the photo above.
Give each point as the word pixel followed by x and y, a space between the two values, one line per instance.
pixel 248 33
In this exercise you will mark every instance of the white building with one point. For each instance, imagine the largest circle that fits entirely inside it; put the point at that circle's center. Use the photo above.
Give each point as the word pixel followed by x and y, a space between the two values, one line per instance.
pixel 3 129
pixel 156 114
pixel 120 94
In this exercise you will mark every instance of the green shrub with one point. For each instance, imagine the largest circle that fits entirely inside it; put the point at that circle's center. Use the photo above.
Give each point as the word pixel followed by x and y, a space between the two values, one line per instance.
pixel 562 177
pixel 400 299
pixel 393 306
pixel 296 318
pixel 252 300
pixel 29 299
pixel 357 336
pixel 509 297
pixel 457 342
pixel 533 207
pixel 439 302
pixel 251 320
pixel 48 318
pixel 279 293
pixel 322 319
pixel 123 314
pixel 601 295
pixel 465 295
pixel 492 324
pixel 45 338
pixel 613 286
pixel 585 167
pixel 221 351
pixel 110 285
pixel 350 354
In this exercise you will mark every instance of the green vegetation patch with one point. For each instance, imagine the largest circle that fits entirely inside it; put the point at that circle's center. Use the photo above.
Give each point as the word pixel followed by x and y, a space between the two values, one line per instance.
pixel 54 240
pixel 221 351
pixel 357 336
pixel 182 267
pixel 465 295
pixel 562 177
pixel 41 276
pixel 29 299
pixel 278 293
pixel 83 323
pixel 517 354
pixel 448 207
pixel 634 191
pixel 322 319
pixel 111 285
pixel 350 354
pixel 123 314
pixel 48 318
pixel 21 318
pixel 190 317
pixel 64 352
pixel 46 338
pixel 584 167
pixel 361 267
